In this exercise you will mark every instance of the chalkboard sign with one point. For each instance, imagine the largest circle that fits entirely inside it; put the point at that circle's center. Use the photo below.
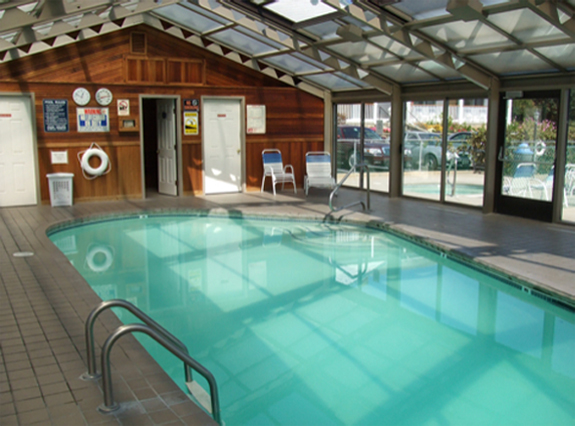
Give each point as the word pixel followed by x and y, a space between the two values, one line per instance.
pixel 56 115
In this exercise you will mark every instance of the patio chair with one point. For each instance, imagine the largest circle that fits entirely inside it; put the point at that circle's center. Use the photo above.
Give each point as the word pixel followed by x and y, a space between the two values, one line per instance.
pixel 520 184
pixel 547 186
pixel 274 168
pixel 318 171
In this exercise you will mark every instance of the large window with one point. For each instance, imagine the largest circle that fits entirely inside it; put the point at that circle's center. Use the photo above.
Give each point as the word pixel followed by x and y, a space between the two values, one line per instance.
pixel 451 158
pixel 568 213
pixel 362 136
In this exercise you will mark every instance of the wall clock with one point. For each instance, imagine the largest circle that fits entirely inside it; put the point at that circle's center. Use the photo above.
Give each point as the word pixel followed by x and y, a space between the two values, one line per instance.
pixel 104 96
pixel 81 96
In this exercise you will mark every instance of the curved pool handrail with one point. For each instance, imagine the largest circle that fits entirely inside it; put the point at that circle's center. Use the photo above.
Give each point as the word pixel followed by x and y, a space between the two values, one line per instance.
pixel 361 166
pixel 92 373
pixel 109 404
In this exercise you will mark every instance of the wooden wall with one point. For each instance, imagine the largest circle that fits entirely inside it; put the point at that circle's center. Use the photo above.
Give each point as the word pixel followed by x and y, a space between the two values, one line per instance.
pixel 294 119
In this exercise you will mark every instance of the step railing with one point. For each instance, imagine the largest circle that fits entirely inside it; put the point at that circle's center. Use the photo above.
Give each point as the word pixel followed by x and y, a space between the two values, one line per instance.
pixel 361 167
pixel 163 337
pixel 92 373
pixel 109 405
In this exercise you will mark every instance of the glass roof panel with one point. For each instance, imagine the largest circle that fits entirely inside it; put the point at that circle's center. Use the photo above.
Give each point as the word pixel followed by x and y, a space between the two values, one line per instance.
pixel 463 36
pixel 526 26
pixel 325 30
pixel 439 70
pixel 514 62
pixel 404 73
pixel 206 13
pixel 298 10
pixel 335 81
pixel 187 18
pixel 242 42
pixel 361 52
pixel 418 9
pixel 564 55
pixel 295 63
pixel 395 47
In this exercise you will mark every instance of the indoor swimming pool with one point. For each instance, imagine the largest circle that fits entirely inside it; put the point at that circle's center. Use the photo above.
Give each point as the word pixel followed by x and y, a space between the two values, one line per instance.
pixel 310 323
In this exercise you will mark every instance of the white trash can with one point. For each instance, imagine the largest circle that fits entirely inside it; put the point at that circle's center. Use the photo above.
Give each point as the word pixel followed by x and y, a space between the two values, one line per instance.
pixel 61 187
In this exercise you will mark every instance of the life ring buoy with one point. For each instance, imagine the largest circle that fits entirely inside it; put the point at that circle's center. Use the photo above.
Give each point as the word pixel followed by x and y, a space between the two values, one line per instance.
pixel 94 255
pixel 540 148
pixel 104 161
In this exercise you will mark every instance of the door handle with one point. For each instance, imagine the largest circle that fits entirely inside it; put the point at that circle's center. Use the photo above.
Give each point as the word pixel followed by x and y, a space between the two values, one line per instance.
pixel 239 150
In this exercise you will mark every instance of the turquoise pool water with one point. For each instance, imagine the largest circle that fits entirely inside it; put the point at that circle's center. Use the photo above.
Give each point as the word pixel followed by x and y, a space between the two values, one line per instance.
pixel 429 188
pixel 304 323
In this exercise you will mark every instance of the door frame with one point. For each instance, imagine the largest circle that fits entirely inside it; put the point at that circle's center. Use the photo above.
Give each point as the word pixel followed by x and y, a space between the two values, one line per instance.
pixel 242 100
pixel 517 206
pixel 33 120
pixel 180 172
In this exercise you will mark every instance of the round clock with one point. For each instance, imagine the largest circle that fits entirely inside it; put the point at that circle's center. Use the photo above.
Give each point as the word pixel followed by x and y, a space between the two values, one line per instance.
pixel 81 96
pixel 104 96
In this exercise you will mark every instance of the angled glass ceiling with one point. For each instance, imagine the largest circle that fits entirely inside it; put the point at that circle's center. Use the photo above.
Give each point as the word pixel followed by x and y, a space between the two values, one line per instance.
pixel 327 45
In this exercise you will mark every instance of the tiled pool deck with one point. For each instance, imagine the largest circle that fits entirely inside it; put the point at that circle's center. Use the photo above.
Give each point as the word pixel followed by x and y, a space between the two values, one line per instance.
pixel 44 301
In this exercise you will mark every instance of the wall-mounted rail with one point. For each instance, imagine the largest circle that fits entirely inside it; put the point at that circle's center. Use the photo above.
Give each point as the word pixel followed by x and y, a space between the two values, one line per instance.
pixel 109 404
pixel 92 373
pixel 366 206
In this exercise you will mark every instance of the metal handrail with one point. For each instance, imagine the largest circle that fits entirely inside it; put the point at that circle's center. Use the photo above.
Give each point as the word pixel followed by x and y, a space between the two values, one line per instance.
pixel 452 166
pixel 109 404
pixel 92 373
pixel 361 166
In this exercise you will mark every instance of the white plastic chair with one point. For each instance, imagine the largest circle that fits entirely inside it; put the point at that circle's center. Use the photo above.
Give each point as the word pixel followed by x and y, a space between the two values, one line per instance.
pixel 274 168
pixel 318 171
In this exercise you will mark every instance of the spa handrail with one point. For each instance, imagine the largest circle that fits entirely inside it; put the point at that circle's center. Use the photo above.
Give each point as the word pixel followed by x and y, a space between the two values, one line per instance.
pixel 92 373
pixel 361 166
pixel 109 404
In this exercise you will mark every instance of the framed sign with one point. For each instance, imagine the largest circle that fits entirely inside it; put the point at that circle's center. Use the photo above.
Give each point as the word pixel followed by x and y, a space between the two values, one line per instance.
pixel 123 107
pixel 55 115
pixel 93 119
pixel 190 123
pixel 256 119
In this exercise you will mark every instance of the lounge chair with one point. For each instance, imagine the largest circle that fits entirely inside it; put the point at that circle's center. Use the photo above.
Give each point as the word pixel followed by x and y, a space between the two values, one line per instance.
pixel 274 168
pixel 318 171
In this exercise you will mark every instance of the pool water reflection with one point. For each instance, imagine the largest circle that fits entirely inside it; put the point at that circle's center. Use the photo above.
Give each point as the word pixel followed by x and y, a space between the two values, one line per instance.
pixel 320 324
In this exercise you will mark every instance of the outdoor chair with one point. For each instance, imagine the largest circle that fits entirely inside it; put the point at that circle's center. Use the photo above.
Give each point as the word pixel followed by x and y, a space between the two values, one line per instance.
pixel 318 171
pixel 547 186
pixel 520 184
pixel 274 168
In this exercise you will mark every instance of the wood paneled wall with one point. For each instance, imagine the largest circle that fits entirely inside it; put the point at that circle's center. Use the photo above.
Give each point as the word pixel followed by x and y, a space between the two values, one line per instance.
pixel 294 119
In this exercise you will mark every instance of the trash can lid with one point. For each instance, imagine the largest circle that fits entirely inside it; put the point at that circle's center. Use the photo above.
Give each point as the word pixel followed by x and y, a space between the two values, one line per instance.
pixel 59 175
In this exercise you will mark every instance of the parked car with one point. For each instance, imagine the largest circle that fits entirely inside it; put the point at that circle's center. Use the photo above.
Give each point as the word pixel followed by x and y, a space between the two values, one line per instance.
pixel 426 148
pixel 375 149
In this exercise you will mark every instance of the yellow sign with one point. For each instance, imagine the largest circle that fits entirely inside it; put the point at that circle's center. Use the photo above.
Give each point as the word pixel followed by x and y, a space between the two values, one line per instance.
pixel 190 123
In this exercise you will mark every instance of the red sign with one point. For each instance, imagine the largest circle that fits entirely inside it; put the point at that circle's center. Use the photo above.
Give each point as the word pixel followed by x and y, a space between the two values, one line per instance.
pixel 6 115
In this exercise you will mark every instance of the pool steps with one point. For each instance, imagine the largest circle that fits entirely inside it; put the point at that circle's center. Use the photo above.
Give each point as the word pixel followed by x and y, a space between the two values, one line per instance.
pixel 209 402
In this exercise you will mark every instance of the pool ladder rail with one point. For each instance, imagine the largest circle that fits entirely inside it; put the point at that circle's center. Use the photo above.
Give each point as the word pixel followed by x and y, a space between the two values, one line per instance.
pixel 366 205
pixel 209 402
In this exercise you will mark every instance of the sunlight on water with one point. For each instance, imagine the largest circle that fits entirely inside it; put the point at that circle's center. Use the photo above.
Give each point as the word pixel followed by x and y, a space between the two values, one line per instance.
pixel 305 323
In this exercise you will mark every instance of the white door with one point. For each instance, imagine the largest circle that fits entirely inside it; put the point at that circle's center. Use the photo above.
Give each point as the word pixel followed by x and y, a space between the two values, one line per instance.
pixel 167 169
pixel 222 146
pixel 17 164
